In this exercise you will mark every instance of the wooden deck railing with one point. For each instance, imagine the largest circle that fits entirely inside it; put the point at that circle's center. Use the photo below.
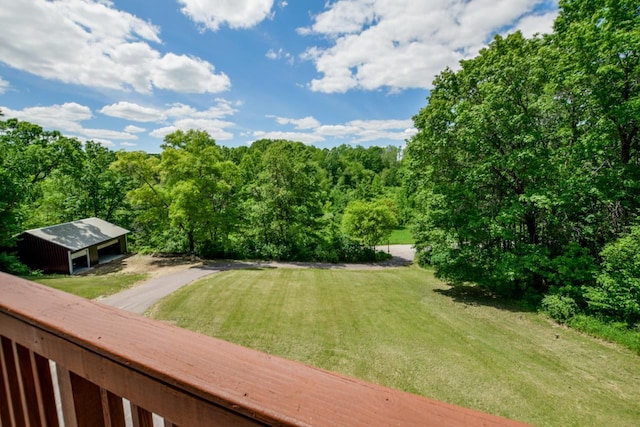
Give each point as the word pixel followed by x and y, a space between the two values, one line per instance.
pixel 101 355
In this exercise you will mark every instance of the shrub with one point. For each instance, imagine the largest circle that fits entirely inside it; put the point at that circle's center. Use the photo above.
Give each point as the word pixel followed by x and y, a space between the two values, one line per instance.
pixel 11 264
pixel 617 292
pixel 559 307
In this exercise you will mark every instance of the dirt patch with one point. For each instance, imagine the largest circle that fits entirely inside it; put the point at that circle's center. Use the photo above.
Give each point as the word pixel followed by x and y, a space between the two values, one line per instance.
pixel 150 264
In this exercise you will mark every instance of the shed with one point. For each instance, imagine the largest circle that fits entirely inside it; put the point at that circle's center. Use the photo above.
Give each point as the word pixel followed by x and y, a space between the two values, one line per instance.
pixel 66 248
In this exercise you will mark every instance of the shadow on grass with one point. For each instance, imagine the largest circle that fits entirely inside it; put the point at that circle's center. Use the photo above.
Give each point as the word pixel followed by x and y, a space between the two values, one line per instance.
pixel 472 295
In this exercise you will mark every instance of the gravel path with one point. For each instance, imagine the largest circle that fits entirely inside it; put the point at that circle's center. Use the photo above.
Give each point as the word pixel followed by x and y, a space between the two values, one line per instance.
pixel 141 297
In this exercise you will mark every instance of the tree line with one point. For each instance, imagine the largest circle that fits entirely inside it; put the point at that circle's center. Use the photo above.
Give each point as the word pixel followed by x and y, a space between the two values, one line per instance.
pixel 275 199
pixel 526 167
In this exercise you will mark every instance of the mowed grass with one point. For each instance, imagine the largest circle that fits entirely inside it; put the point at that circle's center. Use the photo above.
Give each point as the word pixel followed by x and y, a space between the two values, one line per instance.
pixel 401 236
pixel 91 286
pixel 405 329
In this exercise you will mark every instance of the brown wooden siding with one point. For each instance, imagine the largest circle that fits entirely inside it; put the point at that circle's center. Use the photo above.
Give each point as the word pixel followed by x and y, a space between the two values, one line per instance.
pixel 39 254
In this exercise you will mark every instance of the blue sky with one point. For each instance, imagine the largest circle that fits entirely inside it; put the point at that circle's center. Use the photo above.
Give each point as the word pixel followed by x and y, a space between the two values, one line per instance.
pixel 125 73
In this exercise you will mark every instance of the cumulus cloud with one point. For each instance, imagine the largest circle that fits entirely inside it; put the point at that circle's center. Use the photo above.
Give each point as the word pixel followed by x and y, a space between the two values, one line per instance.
pixel 304 123
pixel 400 44
pixel 178 116
pixel 132 111
pixel 97 45
pixel 212 14
pixel 67 118
pixel 355 131
pixel 134 129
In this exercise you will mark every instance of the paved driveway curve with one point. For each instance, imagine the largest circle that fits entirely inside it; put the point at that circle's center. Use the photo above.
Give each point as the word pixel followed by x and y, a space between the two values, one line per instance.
pixel 141 297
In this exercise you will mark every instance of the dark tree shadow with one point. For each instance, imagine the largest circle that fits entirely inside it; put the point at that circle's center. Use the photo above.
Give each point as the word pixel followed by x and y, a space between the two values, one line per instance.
pixel 472 295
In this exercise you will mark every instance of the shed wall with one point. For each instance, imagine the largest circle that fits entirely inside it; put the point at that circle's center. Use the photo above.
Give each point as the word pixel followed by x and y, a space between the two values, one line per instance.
pixel 39 254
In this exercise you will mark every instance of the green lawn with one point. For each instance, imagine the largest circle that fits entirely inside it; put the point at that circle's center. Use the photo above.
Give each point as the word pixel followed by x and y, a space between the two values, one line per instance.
pixel 91 286
pixel 405 329
pixel 401 236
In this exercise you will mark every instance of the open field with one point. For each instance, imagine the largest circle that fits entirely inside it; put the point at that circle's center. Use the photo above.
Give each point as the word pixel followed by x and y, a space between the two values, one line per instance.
pixel 91 286
pixel 405 329
pixel 401 236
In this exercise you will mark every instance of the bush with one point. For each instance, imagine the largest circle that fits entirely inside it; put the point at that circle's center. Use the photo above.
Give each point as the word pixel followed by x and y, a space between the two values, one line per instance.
pixel 559 308
pixel 9 263
pixel 617 292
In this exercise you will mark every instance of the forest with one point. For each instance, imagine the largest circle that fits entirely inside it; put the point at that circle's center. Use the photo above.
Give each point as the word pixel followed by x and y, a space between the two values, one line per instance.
pixel 524 178
pixel 278 200
pixel 527 165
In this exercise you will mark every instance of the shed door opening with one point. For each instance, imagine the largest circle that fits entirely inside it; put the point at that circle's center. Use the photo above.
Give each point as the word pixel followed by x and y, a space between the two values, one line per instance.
pixel 79 260
pixel 109 251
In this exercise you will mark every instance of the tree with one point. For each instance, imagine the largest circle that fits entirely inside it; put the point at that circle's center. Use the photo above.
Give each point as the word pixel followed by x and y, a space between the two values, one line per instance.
pixel 485 151
pixel 28 155
pixel 92 188
pixel 283 205
pixel 185 199
pixel 370 223
pixel 598 89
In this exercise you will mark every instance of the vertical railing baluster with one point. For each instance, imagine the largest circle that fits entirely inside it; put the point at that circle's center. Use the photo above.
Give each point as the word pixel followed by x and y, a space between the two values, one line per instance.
pixel 113 409
pixel 12 386
pixel 29 392
pixel 141 417
pixel 81 400
pixel 44 383
pixel 5 407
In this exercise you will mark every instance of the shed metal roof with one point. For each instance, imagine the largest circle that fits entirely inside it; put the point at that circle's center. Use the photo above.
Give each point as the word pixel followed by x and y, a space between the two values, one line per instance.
pixel 79 234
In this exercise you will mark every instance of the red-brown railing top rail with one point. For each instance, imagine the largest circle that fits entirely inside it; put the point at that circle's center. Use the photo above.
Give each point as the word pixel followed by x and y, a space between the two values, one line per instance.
pixel 256 385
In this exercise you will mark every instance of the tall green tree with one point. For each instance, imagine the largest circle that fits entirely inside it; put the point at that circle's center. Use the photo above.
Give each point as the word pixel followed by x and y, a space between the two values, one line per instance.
pixel 284 203
pixel 92 188
pixel 486 152
pixel 28 156
pixel 369 223
pixel 597 88
pixel 185 199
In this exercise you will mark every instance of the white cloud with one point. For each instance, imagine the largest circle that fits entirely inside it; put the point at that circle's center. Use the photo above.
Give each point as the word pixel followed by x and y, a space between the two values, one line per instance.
pixel 182 73
pixel 235 13
pixel 128 144
pixel 66 118
pixel 281 53
pixel 223 108
pixel 3 85
pixel 355 131
pixel 135 112
pixel 304 123
pixel 400 44
pixel 134 129
pixel 92 44
pixel 177 116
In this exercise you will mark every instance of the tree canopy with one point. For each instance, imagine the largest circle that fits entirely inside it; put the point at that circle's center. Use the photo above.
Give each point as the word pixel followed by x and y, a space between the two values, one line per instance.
pixel 526 163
